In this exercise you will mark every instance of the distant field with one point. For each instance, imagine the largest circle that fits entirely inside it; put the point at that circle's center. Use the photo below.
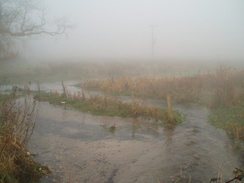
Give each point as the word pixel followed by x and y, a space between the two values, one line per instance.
pixel 19 71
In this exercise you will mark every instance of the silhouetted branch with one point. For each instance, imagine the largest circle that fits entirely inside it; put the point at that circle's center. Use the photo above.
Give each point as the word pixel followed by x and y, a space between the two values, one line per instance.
pixel 23 18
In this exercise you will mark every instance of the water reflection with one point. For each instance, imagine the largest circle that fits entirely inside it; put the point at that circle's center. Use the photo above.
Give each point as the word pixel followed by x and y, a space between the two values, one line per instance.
pixel 128 149
pixel 137 149
pixel 168 132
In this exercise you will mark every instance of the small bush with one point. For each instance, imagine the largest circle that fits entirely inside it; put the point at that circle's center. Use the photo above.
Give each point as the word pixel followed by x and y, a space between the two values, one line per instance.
pixel 16 127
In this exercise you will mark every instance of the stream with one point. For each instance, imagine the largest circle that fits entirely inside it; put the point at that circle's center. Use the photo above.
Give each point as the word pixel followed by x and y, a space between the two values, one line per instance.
pixel 79 147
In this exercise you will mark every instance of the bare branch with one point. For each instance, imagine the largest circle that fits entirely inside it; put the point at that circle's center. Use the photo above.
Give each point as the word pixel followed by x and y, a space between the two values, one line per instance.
pixel 22 18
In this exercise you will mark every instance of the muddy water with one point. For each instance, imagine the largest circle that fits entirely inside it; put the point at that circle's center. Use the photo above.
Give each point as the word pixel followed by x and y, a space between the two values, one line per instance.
pixel 79 147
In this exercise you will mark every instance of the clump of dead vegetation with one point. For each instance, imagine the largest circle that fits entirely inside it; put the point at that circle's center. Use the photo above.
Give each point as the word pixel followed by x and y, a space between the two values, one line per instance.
pixel 16 127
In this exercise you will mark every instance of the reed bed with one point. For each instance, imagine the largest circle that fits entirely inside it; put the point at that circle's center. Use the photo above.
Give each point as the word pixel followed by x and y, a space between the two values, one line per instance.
pixel 151 87
pixel 221 88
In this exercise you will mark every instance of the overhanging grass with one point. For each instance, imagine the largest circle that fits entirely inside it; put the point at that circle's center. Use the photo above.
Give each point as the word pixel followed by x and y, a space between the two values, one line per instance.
pixel 16 165
pixel 16 127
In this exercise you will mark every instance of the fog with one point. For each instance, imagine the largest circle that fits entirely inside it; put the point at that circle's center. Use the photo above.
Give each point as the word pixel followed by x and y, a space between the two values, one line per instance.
pixel 137 91
pixel 145 29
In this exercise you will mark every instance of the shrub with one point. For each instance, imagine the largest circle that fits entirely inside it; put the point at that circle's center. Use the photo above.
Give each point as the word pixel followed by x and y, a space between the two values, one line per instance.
pixel 16 128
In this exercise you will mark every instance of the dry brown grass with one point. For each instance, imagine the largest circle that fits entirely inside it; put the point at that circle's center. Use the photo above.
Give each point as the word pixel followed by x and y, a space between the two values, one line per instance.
pixel 16 127
pixel 236 131
pixel 153 87
pixel 221 88
pixel 228 87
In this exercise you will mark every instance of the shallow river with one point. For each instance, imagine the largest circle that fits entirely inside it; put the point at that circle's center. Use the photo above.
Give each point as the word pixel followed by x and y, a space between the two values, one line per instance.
pixel 79 147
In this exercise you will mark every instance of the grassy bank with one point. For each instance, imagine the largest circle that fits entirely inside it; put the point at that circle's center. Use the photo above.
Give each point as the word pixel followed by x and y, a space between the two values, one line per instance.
pixel 230 119
pixel 102 105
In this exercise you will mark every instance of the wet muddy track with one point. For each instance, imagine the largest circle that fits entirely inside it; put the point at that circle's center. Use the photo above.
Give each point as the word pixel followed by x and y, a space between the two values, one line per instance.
pixel 79 147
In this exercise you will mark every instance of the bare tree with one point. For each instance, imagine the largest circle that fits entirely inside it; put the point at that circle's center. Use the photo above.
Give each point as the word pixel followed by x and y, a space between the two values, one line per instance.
pixel 22 18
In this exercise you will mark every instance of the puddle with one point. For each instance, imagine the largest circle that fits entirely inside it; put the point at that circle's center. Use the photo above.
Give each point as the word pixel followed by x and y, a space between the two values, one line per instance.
pixel 70 138
pixel 79 147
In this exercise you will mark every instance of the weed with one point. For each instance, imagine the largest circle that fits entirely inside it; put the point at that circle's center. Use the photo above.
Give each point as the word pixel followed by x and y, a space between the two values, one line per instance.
pixel 238 176
pixel 111 128
pixel 16 128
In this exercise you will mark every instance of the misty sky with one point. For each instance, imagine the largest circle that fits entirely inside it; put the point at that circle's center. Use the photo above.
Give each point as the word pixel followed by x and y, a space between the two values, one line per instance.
pixel 120 29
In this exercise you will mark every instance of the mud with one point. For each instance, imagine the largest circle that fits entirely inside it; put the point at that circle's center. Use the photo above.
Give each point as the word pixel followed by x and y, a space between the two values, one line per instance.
pixel 79 147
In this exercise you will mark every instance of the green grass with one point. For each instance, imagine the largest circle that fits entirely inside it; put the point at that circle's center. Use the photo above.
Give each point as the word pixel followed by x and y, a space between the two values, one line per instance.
pixel 233 114
pixel 231 119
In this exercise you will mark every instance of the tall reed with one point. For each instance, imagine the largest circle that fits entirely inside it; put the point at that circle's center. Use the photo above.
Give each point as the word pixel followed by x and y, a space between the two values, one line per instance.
pixel 218 89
